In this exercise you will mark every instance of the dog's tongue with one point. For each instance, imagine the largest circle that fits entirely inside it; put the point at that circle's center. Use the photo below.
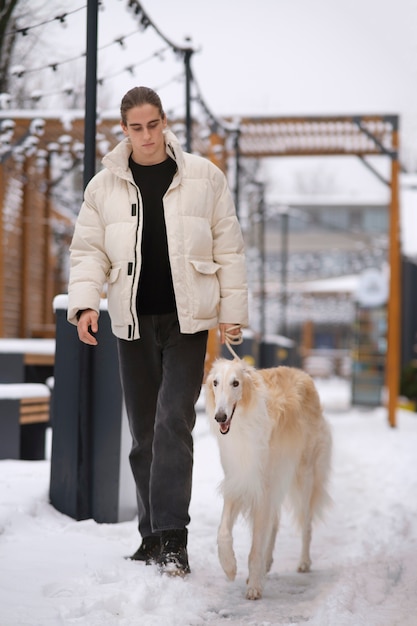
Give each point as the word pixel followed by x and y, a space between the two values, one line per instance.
pixel 224 428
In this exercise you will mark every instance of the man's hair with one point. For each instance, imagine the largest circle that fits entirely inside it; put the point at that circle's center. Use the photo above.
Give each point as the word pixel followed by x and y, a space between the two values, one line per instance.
pixel 137 97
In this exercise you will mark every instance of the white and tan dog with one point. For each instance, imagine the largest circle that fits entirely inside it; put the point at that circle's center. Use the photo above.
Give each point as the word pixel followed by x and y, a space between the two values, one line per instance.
pixel 274 444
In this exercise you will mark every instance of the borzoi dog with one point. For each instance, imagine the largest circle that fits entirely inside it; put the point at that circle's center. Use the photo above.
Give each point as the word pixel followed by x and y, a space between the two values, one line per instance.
pixel 274 444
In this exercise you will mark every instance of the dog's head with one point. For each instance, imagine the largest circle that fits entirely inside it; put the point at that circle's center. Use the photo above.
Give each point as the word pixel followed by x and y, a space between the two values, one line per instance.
pixel 225 388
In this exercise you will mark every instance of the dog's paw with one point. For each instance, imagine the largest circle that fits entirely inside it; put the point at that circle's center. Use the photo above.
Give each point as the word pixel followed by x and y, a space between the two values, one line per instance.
pixel 269 565
pixel 254 592
pixel 229 567
pixel 304 566
pixel 227 560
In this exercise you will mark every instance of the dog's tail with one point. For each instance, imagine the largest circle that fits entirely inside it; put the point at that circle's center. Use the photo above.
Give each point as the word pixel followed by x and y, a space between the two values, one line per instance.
pixel 309 494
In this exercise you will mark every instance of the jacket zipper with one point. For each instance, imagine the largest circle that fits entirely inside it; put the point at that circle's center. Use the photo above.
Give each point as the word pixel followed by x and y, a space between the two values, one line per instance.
pixel 131 268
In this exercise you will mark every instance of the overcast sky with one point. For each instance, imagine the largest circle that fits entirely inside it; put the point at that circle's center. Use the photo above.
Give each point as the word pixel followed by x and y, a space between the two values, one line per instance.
pixel 299 56
pixel 282 57
pixel 288 56
pixel 269 57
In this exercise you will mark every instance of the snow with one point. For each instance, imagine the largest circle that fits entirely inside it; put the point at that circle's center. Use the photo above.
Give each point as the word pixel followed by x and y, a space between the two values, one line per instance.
pixel 27 346
pixel 57 571
pixel 60 302
pixel 26 390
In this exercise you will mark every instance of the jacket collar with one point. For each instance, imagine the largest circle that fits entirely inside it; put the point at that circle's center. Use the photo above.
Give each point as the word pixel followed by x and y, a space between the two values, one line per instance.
pixel 117 160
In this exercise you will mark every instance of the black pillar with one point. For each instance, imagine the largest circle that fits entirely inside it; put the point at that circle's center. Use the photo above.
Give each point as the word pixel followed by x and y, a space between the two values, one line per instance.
pixel 188 121
pixel 85 439
pixel 90 92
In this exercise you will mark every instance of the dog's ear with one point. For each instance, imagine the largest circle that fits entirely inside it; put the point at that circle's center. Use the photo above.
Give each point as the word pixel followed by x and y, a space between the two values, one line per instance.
pixel 251 382
pixel 247 383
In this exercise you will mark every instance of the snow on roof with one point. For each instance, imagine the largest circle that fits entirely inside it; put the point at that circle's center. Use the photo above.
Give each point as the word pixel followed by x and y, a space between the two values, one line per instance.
pixel 49 114
pixel 340 284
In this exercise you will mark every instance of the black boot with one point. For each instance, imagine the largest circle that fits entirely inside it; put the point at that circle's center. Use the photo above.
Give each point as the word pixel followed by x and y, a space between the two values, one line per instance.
pixel 173 558
pixel 148 550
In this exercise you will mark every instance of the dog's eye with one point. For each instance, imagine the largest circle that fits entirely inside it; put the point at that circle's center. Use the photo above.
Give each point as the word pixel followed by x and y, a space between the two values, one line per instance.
pixel 215 383
pixel 235 383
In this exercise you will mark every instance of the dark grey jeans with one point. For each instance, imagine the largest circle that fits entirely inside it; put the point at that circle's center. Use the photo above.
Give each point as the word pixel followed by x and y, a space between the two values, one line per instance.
pixel 161 376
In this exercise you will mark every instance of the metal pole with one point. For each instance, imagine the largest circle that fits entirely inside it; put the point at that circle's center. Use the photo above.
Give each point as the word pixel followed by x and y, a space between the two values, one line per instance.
pixel 90 92
pixel 85 426
pixel 284 272
pixel 237 170
pixel 261 209
pixel 188 122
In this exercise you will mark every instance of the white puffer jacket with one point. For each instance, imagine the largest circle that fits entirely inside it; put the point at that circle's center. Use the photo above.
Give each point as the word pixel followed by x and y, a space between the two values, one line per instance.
pixel 205 244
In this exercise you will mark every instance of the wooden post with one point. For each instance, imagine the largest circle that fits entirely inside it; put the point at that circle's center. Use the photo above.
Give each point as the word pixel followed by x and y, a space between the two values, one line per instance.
pixel 394 299
pixel 48 277
pixel 217 151
pixel 213 350
pixel 216 156
pixel 25 252
pixel 307 338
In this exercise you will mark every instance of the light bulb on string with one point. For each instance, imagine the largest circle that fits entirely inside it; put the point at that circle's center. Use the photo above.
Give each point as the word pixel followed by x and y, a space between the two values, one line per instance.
pixel 62 19
pixel 5 100
pixel 17 71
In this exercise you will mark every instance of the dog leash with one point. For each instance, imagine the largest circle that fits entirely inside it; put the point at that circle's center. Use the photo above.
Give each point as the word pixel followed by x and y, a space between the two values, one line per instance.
pixel 234 340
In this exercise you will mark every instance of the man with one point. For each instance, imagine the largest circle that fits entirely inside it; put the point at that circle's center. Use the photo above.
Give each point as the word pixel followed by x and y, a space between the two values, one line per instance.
pixel 158 226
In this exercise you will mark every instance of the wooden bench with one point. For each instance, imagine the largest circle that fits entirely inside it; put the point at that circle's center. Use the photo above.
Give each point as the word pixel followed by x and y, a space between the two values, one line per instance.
pixel 24 418
pixel 39 359
pixel 26 360
pixel 34 410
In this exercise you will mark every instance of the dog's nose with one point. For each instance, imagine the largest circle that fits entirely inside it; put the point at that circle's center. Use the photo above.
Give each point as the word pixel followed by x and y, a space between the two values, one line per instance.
pixel 220 417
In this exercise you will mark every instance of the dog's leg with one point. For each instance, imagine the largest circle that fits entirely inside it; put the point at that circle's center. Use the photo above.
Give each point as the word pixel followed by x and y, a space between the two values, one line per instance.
pixel 271 543
pixel 315 495
pixel 301 496
pixel 262 530
pixel 225 538
pixel 306 531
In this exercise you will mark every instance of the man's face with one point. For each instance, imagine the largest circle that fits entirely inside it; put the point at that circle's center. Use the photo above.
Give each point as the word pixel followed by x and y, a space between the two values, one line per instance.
pixel 144 127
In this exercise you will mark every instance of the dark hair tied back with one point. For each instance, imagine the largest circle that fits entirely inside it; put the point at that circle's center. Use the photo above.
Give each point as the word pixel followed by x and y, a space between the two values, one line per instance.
pixel 137 97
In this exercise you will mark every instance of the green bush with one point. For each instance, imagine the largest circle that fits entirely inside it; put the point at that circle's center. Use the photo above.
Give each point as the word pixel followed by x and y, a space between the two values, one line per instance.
pixel 408 381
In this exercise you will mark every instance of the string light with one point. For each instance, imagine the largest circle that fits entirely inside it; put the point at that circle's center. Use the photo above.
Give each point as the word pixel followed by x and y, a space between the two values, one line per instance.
pixel 130 68
pixel 37 95
pixel 144 21
pixel 213 122
pixel 60 18
pixel 19 71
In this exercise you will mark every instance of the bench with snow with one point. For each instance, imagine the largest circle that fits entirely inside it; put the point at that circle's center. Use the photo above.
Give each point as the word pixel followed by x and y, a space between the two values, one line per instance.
pixel 26 360
pixel 24 418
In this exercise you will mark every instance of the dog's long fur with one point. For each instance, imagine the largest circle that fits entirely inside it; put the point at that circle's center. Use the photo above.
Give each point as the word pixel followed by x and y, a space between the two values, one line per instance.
pixel 274 443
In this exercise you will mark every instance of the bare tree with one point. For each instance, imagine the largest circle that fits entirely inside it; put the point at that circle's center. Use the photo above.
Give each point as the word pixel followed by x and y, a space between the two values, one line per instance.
pixel 18 38
pixel 8 33
pixel 22 39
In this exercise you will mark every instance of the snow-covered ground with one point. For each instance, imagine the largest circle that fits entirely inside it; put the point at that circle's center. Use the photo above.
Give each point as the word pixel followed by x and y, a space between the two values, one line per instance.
pixel 56 571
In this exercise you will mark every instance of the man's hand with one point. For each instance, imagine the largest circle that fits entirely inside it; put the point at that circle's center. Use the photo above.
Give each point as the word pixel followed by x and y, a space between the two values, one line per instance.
pixel 233 329
pixel 87 324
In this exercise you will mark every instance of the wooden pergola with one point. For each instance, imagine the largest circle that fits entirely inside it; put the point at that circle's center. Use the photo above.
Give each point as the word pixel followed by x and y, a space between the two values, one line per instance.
pixel 362 136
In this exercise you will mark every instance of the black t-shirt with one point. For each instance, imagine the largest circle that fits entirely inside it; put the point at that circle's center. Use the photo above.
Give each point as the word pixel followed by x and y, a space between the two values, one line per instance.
pixel 155 294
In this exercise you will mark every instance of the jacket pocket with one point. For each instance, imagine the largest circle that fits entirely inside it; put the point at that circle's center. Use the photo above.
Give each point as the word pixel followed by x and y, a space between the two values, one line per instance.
pixel 113 275
pixel 205 289
pixel 115 295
